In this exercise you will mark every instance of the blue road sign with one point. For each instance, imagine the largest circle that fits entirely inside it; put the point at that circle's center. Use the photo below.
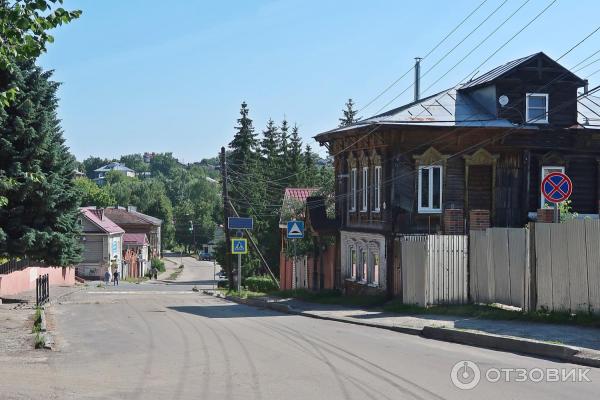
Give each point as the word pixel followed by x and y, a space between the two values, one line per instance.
pixel 557 187
pixel 295 229
pixel 240 223
pixel 239 246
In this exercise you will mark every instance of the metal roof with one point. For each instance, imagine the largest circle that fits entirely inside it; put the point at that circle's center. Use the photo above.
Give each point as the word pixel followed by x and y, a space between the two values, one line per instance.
pixel 113 166
pixel 99 218
pixel 497 72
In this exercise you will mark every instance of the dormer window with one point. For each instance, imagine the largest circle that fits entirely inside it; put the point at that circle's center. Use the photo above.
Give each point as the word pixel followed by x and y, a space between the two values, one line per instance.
pixel 537 108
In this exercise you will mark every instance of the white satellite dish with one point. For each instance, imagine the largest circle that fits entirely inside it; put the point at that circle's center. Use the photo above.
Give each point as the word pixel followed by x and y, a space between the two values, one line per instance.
pixel 503 100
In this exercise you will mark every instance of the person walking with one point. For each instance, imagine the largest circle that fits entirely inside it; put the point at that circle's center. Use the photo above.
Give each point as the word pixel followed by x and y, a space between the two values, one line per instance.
pixel 116 278
pixel 106 278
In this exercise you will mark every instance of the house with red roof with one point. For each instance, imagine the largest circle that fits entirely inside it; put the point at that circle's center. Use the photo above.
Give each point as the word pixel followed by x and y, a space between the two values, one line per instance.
pixel 102 241
pixel 135 254
pixel 302 264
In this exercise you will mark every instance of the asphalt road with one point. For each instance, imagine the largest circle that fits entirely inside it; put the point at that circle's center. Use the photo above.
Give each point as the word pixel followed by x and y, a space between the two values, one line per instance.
pixel 164 341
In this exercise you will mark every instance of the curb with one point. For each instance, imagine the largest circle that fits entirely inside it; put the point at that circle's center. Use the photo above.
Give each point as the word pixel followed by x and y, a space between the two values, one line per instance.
pixel 564 353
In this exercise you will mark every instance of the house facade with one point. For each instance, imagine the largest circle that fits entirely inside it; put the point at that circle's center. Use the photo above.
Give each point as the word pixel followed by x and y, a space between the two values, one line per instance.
pixel 466 158
pixel 135 254
pixel 102 242
pixel 133 221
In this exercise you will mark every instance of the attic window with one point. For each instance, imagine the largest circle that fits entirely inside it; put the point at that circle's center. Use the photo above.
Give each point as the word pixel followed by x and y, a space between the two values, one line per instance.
pixel 537 108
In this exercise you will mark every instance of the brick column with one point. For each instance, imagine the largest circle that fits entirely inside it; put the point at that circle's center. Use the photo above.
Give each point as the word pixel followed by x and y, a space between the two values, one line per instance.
pixel 545 215
pixel 479 220
pixel 454 221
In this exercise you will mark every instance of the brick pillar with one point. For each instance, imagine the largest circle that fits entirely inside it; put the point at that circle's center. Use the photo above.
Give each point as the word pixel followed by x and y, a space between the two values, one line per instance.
pixel 454 221
pixel 479 220
pixel 545 215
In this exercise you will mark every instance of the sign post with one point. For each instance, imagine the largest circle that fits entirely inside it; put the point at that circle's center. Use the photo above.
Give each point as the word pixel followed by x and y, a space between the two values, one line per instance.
pixel 556 187
pixel 239 246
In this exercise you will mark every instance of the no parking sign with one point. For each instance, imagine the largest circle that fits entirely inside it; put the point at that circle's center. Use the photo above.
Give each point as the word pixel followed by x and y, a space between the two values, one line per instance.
pixel 557 187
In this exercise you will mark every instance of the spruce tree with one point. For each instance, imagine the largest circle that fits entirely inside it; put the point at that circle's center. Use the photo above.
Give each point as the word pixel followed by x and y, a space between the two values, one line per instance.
pixel 40 218
pixel 310 175
pixel 349 114
pixel 295 157
pixel 283 153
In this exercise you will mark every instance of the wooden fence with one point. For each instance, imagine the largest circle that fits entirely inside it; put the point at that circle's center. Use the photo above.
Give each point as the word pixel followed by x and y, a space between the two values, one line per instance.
pixel 434 269
pixel 567 266
pixel 499 266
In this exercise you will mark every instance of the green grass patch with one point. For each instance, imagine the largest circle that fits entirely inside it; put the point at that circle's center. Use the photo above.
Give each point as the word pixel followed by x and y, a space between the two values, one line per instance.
pixel 37 321
pixel 40 341
pixel 244 294
pixel 491 312
pixel 332 297
pixel 135 280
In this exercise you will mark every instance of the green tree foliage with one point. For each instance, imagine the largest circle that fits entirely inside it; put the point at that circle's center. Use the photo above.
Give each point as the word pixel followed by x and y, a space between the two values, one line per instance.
pixel 91 164
pixel 41 214
pixel 91 194
pixel 350 116
pixel 135 162
pixel 24 26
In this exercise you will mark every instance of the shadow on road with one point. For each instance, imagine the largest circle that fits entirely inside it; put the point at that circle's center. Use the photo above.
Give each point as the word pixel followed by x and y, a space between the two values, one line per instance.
pixel 227 311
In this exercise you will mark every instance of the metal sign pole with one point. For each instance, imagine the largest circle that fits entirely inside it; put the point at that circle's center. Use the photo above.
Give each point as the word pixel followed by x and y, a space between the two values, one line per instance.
pixel 239 280
pixel 556 214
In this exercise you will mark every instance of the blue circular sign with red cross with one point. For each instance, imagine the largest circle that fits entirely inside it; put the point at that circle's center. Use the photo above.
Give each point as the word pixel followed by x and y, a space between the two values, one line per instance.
pixel 557 187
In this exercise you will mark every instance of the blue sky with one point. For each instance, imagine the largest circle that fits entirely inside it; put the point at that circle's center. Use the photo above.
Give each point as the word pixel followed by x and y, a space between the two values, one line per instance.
pixel 149 75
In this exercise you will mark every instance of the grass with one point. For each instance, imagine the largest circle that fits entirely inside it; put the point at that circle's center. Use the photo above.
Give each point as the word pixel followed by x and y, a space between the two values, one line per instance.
pixel 494 313
pixel 175 273
pixel 40 341
pixel 135 280
pixel 244 294
pixel 37 321
pixel 332 297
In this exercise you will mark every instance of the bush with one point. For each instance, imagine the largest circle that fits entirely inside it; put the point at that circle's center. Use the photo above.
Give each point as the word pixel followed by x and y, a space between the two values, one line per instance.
pixel 262 284
pixel 158 264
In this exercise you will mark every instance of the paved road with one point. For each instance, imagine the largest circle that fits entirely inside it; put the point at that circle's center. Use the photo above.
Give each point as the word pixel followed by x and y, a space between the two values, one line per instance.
pixel 163 341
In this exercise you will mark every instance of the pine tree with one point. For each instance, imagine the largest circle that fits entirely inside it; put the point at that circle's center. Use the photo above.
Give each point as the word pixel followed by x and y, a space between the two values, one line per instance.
pixel 310 175
pixel 40 218
pixel 349 114
pixel 283 153
pixel 295 157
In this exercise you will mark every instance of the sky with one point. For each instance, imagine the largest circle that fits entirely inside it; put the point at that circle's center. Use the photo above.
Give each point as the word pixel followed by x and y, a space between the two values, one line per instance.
pixel 169 76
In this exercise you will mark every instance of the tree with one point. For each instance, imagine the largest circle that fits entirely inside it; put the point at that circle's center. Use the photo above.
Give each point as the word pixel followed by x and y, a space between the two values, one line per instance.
pixel 295 158
pixel 135 162
pixel 310 171
pixel 91 164
pixel 349 114
pixel 40 218
pixel 24 26
pixel 90 194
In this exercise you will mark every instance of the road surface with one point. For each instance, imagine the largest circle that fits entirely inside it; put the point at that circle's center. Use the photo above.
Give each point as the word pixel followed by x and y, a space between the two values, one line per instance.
pixel 164 341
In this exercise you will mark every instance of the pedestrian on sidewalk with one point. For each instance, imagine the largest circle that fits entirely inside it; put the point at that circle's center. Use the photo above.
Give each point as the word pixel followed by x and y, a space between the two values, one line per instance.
pixel 116 278
pixel 106 278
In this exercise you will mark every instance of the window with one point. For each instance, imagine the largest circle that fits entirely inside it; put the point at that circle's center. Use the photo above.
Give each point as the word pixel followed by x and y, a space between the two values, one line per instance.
pixel 430 189
pixel 377 189
pixel 536 108
pixel 365 188
pixel 545 171
pixel 353 263
pixel 353 190
pixel 364 262
pixel 374 278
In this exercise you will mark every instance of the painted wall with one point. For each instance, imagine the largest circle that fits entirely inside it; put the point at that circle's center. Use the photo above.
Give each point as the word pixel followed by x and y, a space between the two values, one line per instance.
pixel 22 281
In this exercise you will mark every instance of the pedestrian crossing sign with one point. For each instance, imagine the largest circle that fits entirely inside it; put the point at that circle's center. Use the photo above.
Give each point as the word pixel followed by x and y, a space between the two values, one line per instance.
pixel 239 246
pixel 295 229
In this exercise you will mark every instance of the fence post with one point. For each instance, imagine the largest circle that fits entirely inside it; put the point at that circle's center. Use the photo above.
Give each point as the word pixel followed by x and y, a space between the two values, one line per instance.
pixel 532 281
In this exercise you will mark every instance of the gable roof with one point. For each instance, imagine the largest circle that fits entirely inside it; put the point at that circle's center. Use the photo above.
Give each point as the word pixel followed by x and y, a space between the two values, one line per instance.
pixel 457 106
pixel 124 216
pixel 114 166
pixel 136 239
pixel 99 218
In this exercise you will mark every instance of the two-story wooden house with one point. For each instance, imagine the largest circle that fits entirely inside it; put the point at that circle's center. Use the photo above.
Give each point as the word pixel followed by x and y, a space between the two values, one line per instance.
pixel 468 157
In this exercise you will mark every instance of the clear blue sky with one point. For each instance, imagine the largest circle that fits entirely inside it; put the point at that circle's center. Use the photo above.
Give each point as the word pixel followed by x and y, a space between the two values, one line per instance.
pixel 148 75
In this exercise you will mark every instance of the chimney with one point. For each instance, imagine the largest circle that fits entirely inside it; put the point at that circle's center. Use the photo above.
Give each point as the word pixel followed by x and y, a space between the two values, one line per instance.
pixel 417 78
pixel 586 86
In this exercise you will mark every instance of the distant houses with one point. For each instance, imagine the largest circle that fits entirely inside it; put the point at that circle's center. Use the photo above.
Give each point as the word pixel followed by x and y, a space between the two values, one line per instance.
pixel 100 173
pixel 117 238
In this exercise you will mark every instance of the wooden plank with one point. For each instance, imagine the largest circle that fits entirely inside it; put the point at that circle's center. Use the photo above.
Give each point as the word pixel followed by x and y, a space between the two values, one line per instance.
pixel 517 246
pixel 543 266
pixel 560 268
pixel 592 242
pixel 578 273
pixel 465 268
pixel 500 265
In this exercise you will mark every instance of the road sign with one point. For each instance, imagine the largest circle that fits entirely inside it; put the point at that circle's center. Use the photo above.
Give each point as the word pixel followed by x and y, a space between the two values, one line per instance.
pixel 557 187
pixel 295 229
pixel 240 223
pixel 239 246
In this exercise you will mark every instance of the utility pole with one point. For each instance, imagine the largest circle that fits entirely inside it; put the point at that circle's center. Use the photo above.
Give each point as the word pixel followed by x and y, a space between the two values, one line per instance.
pixel 226 216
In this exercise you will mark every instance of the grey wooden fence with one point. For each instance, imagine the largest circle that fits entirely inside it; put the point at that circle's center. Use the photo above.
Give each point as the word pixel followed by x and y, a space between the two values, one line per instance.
pixel 499 266
pixel 434 269
pixel 567 261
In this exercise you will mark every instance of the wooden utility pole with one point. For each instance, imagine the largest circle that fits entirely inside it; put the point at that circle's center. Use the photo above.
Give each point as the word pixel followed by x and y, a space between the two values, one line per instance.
pixel 227 265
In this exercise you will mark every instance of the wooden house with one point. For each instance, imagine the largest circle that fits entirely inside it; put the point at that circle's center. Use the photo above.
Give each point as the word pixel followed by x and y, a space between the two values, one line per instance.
pixel 469 157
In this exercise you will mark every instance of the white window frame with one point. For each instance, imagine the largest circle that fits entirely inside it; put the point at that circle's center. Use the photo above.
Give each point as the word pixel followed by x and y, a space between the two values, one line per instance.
pixel 430 209
pixel 365 189
pixel 353 262
pixel 353 182
pixel 377 191
pixel 364 265
pixel 539 120
pixel 545 171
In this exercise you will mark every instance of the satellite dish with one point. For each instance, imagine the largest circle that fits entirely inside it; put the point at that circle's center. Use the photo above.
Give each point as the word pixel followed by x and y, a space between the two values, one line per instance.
pixel 503 100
